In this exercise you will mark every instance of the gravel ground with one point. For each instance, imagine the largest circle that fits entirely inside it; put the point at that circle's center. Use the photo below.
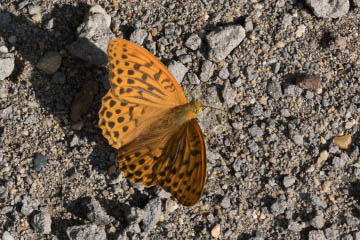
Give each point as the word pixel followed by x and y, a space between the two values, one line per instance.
pixel 283 145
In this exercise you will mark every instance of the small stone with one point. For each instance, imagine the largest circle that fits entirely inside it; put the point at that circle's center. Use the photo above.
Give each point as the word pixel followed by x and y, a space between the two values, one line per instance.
pixel 207 70
pixel 255 131
pixel 88 232
pixel 223 42
pixel 42 222
pixel 224 73
pixel 324 155
pixel 7 236
pixel 193 42
pixel 74 141
pixel 295 226
pixel 138 36
pixel 278 207
pixel 274 90
pixel 317 222
pixel 332 233
pixel 309 82
pixel 347 237
pixel 95 213
pixel 251 73
pixel 325 186
pixel 356 3
pixel 185 59
pixel 3 92
pixel 316 235
pixel 216 231
pixel 293 91
pixel 78 125
pixel 343 142
pixel 285 112
pixel 152 213
pixel 316 201
pixel 329 8
pixel 29 205
pixel 289 181
pixel 298 139
pixel 229 94
pixel 7 65
pixel 225 203
pixel 40 162
pixel 50 62
pixel 178 70
pixel 340 162
pixel 34 9
pixel 357 234
pixel 171 205
pixel 193 78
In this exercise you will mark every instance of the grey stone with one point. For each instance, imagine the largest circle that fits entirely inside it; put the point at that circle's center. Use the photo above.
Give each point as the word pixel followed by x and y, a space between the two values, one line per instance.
pixel 94 35
pixel 207 70
pixel 317 222
pixel 152 213
pixel 225 203
pixel 138 36
pixel 193 42
pixel 178 70
pixel 289 181
pixel 352 221
pixel 3 92
pixel 295 226
pixel 316 201
pixel 278 207
pixel 42 222
pixel 185 59
pixel 255 131
pixel 34 9
pixel 285 112
pixel 332 233
pixel 29 205
pixel 356 3
pixel 5 210
pixel 338 162
pixel 136 215
pixel 223 42
pixel 193 78
pixel 316 235
pixel 329 8
pixel 50 62
pixel 40 162
pixel 274 90
pixel 86 232
pixel 7 236
pixel 229 94
pixel 74 141
pixel 95 213
pixel 224 73
pixel 6 112
pixel 293 91
pixel 357 234
pixel 298 139
pixel 7 65
pixel 347 237
pixel 251 73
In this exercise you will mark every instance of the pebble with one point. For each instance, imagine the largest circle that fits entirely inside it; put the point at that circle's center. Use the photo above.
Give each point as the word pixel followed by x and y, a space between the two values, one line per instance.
pixel 332 233
pixel 7 63
pixel 295 226
pixel 309 82
pixel 229 94
pixel 3 92
pixel 298 139
pixel 50 62
pixel 278 207
pixel 74 141
pixel 138 36
pixel 193 78
pixel 216 231
pixel 221 43
pixel 289 181
pixel 317 222
pixel 225 203
pixel 152 213
pixel 95 213
pixel 193 42
pixel 224 73
pixel 28 205
pixel 86 232
pixel 40 162
pixel 251 73
pixel 42 222
pixel 7 236
pixel 329 8
pixel 178 70
pixel 171 205
pixel 207 70
pixel 316 235
pixel 274 90
pixel 316 201
pixel 293 91
pixel 343 142
pixel 324 155
pixel 34 9
pixel 255 131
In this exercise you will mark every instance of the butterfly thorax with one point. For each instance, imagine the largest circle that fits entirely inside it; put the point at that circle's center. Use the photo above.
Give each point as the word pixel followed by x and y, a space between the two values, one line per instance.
pixel 186 112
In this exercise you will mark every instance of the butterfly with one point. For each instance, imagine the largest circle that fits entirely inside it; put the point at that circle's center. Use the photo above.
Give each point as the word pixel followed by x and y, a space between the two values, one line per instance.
pixel 146 116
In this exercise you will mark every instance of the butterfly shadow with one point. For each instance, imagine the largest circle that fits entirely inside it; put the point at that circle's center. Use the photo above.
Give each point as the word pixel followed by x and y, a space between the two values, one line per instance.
pixel 53 96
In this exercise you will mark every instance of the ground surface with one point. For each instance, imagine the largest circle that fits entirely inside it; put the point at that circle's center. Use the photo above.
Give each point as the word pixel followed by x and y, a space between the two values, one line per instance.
pixel 265 177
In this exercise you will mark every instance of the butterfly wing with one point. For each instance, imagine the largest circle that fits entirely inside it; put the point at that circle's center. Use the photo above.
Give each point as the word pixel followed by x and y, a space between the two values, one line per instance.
pixel 176 162
pixel 141 89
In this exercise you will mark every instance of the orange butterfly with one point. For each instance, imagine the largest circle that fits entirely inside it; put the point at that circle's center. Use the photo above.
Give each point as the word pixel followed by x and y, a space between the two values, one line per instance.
pixel 146 116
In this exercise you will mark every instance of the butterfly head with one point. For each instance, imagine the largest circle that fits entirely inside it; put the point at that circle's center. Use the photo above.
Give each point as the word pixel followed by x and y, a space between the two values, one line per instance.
pixel 193 109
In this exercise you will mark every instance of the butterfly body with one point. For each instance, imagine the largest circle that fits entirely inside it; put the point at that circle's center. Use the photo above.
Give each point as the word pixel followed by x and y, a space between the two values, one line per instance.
pixel 146 116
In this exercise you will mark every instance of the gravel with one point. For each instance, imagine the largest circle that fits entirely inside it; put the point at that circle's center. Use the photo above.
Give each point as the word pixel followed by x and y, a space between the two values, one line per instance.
pixel 280 80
